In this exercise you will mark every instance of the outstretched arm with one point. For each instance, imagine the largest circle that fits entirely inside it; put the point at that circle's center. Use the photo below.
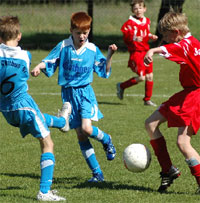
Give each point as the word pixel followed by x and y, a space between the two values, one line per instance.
pixel 149 55
pixel 111 50
pixel 36 71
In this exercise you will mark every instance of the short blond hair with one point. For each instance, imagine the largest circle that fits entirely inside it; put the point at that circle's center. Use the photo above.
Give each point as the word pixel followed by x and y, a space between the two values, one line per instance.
pixel 9 28
pixel 174 21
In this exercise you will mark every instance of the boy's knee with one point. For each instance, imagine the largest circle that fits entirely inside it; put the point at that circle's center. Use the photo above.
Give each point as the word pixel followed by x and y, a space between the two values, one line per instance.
pixel 147 124
pixel 87 129
pixel 141 78
pixel 149 77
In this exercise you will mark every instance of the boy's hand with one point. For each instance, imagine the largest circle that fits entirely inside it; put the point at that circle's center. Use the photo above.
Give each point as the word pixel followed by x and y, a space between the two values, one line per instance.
pixel 153 37
pixel 111 49
pixel 36 71
pixel 148 58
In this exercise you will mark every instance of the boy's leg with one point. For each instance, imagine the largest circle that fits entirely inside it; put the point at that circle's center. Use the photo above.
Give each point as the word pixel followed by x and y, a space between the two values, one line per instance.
pixel 54 121
pixel 148 90
pixel 106 141
pixel 62 120
pixel 191 155
pixel 122 86
pixel 169 172
pixel 194 166
pixel 47 163
pixel 90 157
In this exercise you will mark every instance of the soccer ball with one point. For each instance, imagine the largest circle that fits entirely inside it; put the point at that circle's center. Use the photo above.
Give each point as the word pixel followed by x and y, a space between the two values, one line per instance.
pixel 136 157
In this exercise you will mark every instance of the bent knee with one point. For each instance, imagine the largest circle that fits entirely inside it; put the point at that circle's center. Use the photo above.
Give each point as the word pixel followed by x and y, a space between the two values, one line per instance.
pixel 149 77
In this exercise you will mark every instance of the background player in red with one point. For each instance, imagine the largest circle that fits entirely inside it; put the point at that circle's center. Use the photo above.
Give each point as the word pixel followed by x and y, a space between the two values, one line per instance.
pixel 182 110
pixel 136 34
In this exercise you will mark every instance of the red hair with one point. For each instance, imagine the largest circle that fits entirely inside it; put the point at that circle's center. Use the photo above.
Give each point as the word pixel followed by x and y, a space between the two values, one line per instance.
pixel 81 20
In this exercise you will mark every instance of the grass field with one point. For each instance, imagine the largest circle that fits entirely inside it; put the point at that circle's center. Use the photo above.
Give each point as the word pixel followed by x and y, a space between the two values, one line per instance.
pixel 124 120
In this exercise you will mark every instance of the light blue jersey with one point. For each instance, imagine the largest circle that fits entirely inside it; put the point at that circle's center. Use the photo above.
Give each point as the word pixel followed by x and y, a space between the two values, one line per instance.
pixel 75 75
pixel 16 105
pixel 14 73
pixel 75 69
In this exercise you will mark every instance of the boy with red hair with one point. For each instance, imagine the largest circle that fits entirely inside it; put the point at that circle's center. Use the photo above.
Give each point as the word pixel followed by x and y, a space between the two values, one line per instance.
pixel 78 59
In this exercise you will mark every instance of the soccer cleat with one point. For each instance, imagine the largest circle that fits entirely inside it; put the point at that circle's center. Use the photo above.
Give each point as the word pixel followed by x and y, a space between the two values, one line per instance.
pixel 149 103
pixel 50 196
pixel 120 91
pixel 168 178
pixel 65 112
pixel 110 150
pixel 97 177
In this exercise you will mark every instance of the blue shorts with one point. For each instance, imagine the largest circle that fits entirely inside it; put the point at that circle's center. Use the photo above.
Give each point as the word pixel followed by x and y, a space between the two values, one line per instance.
pixel 84 104
pixel 27 116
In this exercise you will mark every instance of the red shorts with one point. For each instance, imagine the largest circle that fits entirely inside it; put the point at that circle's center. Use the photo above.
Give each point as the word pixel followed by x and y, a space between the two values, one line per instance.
pixel 136 63
pixel 183 109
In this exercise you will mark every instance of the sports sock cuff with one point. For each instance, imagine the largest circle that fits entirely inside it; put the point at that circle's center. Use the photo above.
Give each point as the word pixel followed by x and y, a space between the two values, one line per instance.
pixel 47 156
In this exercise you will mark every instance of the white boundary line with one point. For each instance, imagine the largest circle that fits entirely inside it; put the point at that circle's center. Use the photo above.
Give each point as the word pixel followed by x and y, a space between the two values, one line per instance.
pixel 102 95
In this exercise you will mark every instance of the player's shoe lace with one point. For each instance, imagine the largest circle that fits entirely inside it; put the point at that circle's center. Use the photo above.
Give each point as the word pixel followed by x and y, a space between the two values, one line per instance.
pixel 65 112
pixel 149 103
pixel 97 177
pixel 110 150
pixel 50 196
pixel 120 91
pixel 168 178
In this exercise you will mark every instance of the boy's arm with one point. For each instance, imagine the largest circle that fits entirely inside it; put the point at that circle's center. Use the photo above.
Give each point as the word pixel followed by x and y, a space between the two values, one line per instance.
pixel 36 71
pixel 111 50
pixel 149 55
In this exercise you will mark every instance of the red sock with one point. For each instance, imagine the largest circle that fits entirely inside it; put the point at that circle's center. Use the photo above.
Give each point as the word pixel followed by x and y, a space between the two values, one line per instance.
pixel 128 83
pixel 195 171
pixel 160 150
pixel 148 90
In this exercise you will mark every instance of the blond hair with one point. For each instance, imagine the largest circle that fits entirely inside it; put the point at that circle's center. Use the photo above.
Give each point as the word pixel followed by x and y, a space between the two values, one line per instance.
pixel 174 21
pixel 9 28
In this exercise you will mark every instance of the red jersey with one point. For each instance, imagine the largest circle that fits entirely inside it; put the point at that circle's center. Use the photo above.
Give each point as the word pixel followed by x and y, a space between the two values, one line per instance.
pixel 136 27
pixel 187 54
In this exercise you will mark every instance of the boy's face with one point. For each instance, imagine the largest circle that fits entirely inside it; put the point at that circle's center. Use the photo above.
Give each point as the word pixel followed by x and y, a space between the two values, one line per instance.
pixel 171 36
pixel 139 10
pixel 79 36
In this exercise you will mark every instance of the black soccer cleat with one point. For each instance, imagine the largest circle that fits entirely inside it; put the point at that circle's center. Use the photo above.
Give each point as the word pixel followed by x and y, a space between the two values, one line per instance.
pixel 168 178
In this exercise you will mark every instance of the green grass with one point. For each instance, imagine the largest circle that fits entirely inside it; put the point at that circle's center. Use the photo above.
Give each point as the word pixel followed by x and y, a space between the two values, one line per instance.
pixel 124 120
pixel 44 26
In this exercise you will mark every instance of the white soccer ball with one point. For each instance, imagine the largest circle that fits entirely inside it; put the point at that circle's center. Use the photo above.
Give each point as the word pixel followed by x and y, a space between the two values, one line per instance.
pixel 136 157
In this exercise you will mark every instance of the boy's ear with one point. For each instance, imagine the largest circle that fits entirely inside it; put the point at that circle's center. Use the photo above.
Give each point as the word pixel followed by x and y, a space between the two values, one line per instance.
pixel 19 36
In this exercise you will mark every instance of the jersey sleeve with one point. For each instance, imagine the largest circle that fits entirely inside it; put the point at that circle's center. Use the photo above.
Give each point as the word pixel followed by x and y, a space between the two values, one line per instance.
pixel 128 32
pixel 52 60
pixel 174 52
pixel 100 65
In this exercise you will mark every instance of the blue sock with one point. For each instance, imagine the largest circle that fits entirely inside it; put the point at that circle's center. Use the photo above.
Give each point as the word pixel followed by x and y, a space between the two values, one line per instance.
pixel 90 157
pixel 54 121
pixel 99 135
pixel 47 163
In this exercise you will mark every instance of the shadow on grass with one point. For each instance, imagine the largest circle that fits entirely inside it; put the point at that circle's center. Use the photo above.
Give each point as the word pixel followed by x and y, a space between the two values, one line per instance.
pixel 112 186
pixel 47 41
pixel 82 185
pixel 120 186
pixel 110 103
